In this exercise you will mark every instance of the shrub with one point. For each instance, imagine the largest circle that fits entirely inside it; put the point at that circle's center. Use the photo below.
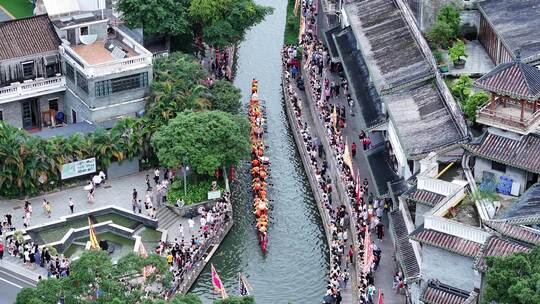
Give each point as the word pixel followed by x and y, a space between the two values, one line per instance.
pixel 197 191
pixel 457 51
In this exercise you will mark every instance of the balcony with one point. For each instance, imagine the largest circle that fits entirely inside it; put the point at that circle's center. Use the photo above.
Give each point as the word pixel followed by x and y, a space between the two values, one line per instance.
pixel 509 115
pixel 32 88
pixel 94 60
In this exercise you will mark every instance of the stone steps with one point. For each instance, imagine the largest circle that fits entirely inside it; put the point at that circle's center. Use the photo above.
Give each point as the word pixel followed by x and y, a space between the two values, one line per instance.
pixel 166 218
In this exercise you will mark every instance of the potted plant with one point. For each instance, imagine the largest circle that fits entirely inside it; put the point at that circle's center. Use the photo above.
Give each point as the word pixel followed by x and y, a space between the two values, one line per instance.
pixel 457 54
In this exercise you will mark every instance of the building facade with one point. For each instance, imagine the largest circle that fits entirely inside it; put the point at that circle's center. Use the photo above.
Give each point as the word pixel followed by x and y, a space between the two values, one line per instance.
pixel 32 85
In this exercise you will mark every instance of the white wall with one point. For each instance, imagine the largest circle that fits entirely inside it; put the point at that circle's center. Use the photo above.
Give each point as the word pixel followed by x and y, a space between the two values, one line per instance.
pixel 403 169
pixel 515 174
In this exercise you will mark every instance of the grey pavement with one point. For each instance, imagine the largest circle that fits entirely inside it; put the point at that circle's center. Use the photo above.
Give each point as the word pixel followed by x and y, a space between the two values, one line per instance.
pixel 478 61
pixel 117 192
pixel 385 273
pixel 347 292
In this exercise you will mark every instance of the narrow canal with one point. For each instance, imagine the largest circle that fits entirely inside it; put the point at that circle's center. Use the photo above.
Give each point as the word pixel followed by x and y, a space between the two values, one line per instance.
pixel 295 266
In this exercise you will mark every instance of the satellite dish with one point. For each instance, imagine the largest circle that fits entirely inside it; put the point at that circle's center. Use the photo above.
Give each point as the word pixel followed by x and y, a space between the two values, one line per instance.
pixel 88 39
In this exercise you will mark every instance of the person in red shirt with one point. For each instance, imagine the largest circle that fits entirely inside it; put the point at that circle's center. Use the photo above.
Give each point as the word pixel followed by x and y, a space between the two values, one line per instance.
pixel 353 149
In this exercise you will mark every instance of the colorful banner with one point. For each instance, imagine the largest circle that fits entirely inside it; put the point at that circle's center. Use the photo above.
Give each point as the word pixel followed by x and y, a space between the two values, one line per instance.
pixel 347 160
pixel 358 188
pixel 94 244
pixel 368 256
pixel 216 282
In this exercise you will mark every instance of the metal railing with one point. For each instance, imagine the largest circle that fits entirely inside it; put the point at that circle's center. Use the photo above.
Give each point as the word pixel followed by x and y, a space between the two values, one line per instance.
pixel 515 121
pixel 190 274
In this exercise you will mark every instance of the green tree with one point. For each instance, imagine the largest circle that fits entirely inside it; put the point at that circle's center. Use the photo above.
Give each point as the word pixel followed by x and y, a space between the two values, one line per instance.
pixel 514 279
pixel 441 33
pixel 224 22
pixel 236 300
pixel 461 88
pixel 162 17
pixel 206 140
pixel 225 97
pixel 473 103
pixel 95 269
pixel 457 51
pixel 449 14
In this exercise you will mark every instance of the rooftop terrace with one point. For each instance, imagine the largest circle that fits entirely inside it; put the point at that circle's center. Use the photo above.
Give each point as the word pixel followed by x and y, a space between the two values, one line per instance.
pixel 96 53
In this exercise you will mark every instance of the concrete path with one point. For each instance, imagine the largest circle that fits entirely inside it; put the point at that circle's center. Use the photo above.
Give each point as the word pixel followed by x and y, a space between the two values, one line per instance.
pixel 387 268
pixel 117 192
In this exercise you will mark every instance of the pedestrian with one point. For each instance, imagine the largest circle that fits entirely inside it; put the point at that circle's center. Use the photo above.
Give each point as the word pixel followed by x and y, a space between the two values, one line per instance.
pixel 134 205
pixel 156 175
pixel 48 209
pixel 366 142
pixel 90 195
pixel 148 187
pixel 181 230
pixel 353 149
pixel 44 206
pixel 139 204
pixel 1 249
pixel 191 223
pixel 71 205
pixel 380 230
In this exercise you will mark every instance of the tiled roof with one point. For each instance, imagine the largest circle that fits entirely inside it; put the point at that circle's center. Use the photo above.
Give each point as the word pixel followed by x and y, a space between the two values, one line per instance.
pixel 518 232
pixel 425 197
pixel 523 153
pixel 27 36
pixel 388 46
pixel 514 79
pixel 404 253
pixel 498 247
pixel 446 241
pixel 421 120
pixel 442 294
pixel 513 21
pixel 526 210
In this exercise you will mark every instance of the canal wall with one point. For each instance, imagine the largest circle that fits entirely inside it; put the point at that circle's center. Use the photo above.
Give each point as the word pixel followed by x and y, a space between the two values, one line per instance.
pixel 302 151
pixel 190 275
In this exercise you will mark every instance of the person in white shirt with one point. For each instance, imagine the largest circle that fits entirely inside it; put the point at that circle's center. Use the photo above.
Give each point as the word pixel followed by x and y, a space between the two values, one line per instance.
pixel 191 223
pixel 71 204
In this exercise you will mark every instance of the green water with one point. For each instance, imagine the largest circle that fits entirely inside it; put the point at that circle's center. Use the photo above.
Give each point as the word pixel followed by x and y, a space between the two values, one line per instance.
pixel 56 234
pixel 122 245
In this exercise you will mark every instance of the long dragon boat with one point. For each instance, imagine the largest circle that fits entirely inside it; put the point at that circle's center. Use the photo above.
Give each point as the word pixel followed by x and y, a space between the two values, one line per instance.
pixel 259 166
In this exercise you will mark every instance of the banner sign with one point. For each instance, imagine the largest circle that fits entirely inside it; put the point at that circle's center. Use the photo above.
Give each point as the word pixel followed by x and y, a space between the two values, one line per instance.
pixel 79 168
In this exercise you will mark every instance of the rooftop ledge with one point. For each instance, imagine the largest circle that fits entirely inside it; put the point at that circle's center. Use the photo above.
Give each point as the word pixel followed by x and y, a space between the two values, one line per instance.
pixel 95 60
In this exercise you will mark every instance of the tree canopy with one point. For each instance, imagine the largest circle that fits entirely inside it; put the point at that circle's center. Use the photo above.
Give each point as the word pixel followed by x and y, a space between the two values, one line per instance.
pixel 236 300
pixel 225 97
pixel 220 22
pixel 514 279
pixel 162 17
pixel 206 140
pixel 94 273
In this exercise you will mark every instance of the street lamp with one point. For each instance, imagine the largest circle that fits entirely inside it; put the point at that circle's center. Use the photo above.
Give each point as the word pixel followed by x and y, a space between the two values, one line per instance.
pixel 185 169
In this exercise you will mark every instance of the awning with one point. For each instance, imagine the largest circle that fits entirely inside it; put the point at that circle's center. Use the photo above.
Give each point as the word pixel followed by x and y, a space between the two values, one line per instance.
pixel 330 43
pixel 51 59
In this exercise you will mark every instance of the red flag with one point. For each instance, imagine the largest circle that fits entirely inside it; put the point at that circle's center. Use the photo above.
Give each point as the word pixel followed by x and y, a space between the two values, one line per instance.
pixel 368 257
pixel 358 188
pixel 381 297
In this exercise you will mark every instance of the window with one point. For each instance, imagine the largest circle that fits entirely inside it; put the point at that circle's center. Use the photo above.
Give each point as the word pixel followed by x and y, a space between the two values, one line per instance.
pixel 110 86
pixel 28 69
pixel 498 166
pixel 53 104
pixel 70 72
pixel 84 30
pixel 82 82
pixel 52 69
pixel 1 115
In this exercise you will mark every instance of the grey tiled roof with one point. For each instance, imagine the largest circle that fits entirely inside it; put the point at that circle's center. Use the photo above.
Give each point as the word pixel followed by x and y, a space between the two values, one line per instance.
pixel 516 22
pixel 387 43
pixel 425 197
pixel 421 120
pixel 443 294
pixel 404 253
pixel 27 36
pixel 514 79
pixel 518 232
pixel 446 241
pixel 522 154
pixel 526 210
